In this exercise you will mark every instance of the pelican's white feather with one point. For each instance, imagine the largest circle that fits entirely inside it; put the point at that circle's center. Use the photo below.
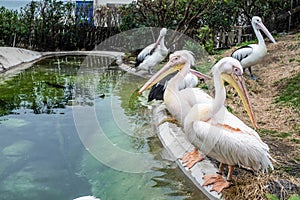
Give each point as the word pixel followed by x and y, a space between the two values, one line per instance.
pixel 87 198
pixel 232 147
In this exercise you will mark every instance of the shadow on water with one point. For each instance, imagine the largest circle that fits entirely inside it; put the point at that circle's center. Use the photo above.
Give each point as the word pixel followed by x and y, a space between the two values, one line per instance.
pixel 42 156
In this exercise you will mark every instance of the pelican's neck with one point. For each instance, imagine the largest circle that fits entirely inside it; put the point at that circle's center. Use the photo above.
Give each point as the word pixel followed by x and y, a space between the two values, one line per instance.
pixel 261 41
pixel 162 41
pixel 220 94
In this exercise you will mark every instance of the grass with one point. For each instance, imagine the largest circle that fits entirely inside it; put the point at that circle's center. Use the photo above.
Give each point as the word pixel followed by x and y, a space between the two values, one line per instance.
pixel 289 91
pixel 274 197
pixel 278 134
pixel 247 43
pixel 271 186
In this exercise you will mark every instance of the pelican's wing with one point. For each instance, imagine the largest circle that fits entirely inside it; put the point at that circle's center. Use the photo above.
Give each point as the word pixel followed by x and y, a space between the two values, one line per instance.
pixel 231 147
pixel 242 52
pixel 158 90
pixel 189 81
pixel 145 52
pixel 232 123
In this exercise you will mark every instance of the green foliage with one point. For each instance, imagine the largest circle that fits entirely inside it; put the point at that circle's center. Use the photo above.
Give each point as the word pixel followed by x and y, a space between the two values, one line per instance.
pixel 205 37
pixel 202 20
pixel 294 197
pixel 48 25
pixel 271 196
pixel 52 24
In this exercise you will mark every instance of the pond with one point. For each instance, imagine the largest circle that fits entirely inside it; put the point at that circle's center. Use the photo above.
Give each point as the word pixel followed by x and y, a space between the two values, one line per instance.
pixel 74 126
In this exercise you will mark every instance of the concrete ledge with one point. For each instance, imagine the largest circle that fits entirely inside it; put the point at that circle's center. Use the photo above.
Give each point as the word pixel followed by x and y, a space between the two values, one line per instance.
pixel 11 57
pixel 113 54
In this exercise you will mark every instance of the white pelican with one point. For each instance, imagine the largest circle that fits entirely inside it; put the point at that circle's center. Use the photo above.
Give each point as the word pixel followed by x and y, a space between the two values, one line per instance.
pixel 221 135
pixel 153 54
pixel 252 54
pixel 86 198
pixel 179 102
pixel 158 90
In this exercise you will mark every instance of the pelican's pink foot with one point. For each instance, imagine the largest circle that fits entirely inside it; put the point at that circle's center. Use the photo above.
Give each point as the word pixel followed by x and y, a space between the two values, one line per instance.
pixel 212 178
pixel 220 186
pixel 191 158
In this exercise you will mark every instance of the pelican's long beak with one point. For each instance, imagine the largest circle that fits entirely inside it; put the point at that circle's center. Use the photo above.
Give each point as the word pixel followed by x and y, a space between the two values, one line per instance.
pixel 239 85
pixel 169 68
pixel 266 31
pixel 157 42
pixel 200 75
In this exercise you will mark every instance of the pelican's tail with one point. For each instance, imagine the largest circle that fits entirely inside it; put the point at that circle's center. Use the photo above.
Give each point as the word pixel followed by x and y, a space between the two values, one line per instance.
pixel 267 163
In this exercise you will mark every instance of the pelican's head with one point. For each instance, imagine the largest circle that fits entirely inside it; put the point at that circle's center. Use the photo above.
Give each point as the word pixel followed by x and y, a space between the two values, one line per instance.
pixel 163 32
pixel 177 61
pixel 257 24
pixel 231 71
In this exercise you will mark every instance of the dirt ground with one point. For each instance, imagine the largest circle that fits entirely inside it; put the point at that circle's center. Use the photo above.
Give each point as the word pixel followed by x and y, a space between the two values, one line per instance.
pixel 282 61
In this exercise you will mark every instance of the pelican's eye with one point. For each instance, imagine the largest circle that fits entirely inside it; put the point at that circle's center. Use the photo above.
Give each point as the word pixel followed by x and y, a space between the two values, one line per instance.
pixel 175 59
pixel 237 71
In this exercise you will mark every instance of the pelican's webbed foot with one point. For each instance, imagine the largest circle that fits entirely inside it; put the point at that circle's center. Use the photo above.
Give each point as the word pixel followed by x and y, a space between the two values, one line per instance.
pixel 221 185
pixel 253 77
pixel 191 158
pixel 212 178
pixel 171 120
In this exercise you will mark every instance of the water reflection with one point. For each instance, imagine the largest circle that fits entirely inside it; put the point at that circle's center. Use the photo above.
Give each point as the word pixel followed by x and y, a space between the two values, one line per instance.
pixel 41 154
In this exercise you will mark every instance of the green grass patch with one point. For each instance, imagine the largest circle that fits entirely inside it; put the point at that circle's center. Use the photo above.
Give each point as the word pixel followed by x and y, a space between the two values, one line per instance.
pixel 267 132
pixel 277 134
pixel 255 41
pixel 220 52
pixel 271 197
pixel 289 91
pixel 274 197
pixel 294 197
pixel 295 140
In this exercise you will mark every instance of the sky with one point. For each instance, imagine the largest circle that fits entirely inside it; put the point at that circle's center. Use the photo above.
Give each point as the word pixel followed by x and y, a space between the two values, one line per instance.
pixel 14 5
pixel 17 4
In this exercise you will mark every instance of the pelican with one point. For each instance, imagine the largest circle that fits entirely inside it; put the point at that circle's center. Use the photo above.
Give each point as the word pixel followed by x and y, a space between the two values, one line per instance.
pixel 221 135
pixel 179 102
pixel 86 198
pixel 252 54
pixel 158 90
pixel 153 54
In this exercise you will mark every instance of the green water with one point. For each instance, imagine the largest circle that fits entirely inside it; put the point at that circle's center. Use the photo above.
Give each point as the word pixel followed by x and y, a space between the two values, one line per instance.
pixel 51 149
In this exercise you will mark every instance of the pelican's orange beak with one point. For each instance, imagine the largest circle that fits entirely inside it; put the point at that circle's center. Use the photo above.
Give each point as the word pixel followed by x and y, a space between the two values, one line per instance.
pixel 200 75
pixel 262 27
pixel 237 81
pixel 169 68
